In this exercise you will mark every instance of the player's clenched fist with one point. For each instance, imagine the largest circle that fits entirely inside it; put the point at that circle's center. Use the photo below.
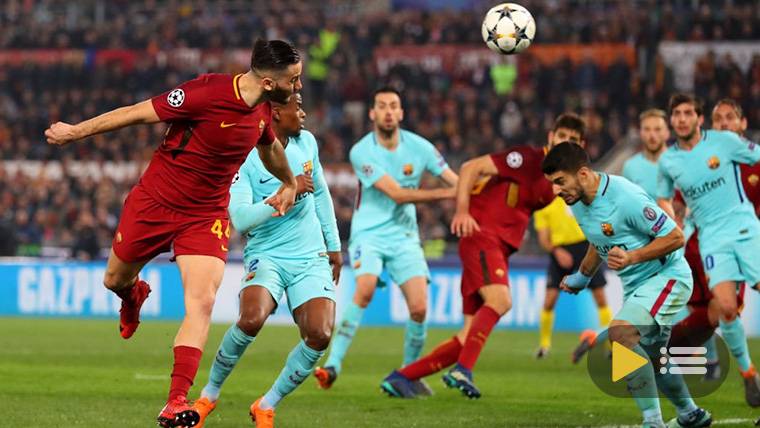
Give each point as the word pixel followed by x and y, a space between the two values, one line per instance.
pixel 574 283
pixel 464 225
pixel 283 200
pixel 618 258
pixel 61 133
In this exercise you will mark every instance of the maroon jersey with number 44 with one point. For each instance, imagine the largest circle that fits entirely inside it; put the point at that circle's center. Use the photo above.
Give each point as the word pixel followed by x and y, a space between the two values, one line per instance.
pixel 211 131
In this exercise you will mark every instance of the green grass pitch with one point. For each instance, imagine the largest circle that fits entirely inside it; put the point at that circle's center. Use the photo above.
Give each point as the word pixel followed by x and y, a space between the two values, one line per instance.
pixel 72 373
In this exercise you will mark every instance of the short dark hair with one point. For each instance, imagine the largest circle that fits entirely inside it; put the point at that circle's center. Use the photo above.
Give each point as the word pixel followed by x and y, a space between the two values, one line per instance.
pixel 572 122
pixel 567 157
pixel 273 55
pixel 387 89
pixel 733 104
pixel 682 98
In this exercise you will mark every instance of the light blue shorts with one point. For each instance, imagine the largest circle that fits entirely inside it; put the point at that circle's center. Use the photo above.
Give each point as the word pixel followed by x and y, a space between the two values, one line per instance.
pixel 654 306
pixel 403 260
pixel 299 279
pixel 732 261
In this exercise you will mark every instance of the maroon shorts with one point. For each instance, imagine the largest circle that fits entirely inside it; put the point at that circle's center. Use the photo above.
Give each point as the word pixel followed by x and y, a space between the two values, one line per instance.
pixel 484 262
pixel 147 229
pixel 700 295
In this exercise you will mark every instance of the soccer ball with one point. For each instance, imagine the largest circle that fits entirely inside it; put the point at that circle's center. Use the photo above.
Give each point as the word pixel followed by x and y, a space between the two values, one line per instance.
pixel 508 29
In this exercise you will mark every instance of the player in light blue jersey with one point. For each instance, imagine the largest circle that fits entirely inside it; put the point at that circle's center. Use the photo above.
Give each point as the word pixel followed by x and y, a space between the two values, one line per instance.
pixel 284 255
pixel 641 169
pixel 635 237
pixel 389 163
pixel 704 165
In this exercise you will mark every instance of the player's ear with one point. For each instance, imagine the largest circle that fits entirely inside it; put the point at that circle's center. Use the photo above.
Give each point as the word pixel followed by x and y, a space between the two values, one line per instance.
pixel 700 120
pixel 401 115
pixel 268 83
pixel 276 114
pixel 550 138
pixel 743 124
pixel 372 113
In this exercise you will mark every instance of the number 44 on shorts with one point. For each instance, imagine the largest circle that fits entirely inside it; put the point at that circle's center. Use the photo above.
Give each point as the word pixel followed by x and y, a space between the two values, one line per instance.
pixel 216 229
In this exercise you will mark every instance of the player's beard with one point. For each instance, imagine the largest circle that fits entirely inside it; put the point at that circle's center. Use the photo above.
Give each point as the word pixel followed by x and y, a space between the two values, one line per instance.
pixel 279 95
pixel 386 131
pixel 690 135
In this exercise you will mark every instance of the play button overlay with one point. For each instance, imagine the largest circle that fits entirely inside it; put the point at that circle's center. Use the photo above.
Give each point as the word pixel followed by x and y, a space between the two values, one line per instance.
pixel 625 361
pixel 612 365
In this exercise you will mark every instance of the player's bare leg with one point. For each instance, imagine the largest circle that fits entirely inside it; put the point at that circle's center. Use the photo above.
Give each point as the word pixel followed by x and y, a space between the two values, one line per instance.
pixel 201 277
pixel 724 295
pixel 315 320
pixel 546 323
pixel 344 334
pixel 497 301
pixel 122 278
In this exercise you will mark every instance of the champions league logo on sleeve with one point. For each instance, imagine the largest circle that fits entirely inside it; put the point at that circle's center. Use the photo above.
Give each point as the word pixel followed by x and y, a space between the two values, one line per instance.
pixel 514 160
pixel 650 214
pixel 367 170
pixel 176 97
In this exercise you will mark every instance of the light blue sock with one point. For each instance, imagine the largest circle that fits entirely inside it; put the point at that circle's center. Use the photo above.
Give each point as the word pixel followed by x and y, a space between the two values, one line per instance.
pixel 231 349
pixel 643 388
pixel 343 336
pixel 733 334
pixel 712 350
pixel 671 385
pixel 298 367
pixel 414 340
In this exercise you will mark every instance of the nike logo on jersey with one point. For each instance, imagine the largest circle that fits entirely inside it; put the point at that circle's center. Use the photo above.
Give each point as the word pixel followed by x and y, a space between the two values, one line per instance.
pixel 226 125
pixel 262 181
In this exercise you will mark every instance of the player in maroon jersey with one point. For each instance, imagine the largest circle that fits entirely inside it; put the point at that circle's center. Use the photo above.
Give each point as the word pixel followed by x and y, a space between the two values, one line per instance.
pixel 496 196
pixel 181 200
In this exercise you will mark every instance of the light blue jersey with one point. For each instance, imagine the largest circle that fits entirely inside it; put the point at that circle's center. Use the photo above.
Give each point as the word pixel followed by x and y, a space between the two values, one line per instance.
pixel 710 181
pixel 304 232
pixel 640 170
pixel 375 213
pixel 623 215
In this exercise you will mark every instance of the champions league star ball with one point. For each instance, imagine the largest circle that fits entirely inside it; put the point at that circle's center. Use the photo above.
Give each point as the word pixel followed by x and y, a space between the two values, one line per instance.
pixel 508 29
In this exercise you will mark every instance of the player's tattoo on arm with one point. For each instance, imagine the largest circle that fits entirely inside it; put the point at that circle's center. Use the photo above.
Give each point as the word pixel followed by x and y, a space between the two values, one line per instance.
pixel 591 261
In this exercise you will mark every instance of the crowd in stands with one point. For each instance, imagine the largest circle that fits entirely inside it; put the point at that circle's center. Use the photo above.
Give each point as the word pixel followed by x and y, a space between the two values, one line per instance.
pixel 463 114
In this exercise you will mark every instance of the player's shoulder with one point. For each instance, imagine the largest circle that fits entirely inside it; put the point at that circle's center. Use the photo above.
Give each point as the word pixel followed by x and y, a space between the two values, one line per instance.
pixel 361 146
pixel 414 138
pixel 620 188
pixel 521 156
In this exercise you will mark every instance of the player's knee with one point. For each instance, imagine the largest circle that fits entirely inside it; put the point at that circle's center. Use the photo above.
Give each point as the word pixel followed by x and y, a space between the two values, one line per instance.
pixel 728 312
pixel 362 299
pixel 625 334
pixel 251 322
pixel 318 337
pixel 418 311
pixel 113 280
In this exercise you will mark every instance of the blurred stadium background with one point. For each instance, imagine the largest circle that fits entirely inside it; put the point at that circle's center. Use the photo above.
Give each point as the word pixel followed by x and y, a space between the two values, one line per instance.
pixel 606 60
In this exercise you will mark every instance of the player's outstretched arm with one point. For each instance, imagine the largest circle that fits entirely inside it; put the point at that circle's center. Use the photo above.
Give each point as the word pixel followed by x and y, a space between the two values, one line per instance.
pixel 61 133
pixel 401 195
pixel 274 160
pixel 463 224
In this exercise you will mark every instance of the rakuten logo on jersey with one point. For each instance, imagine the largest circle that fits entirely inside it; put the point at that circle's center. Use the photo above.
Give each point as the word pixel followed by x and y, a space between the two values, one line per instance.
pixel 697 192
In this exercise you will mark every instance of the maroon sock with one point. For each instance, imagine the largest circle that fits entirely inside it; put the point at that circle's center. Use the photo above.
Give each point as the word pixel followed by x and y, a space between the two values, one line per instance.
pixel 186 360
pixel 482 324
pixel 693 330
pixel 441 357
